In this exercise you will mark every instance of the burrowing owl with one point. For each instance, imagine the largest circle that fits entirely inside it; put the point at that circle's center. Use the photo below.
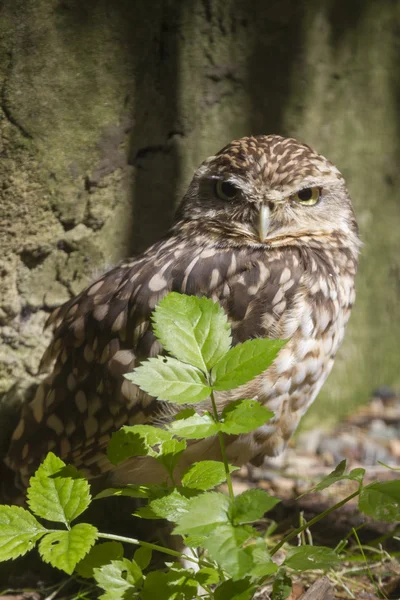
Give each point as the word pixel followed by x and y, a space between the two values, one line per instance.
pixel 267 229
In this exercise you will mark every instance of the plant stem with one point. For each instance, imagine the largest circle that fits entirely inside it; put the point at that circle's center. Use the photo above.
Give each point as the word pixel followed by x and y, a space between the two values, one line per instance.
pixel 222 446
pixel 312 522
pixel 120 538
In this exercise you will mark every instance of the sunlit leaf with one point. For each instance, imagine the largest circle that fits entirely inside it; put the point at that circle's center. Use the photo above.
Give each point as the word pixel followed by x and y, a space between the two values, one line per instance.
pixel 200 520
pixel 169 379
pixel 118 578
pixel 195 330
pixel 205 475
pixel 244 416
pixel 195 427
pixel 58 498
pixel 64 549
pixel 19 532
pixel 244 362
pixel 225 545
pixel 251 505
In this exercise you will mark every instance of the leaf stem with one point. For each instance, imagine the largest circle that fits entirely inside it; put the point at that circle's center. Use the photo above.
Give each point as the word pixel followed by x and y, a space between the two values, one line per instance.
pixel 120 538
pixel 222 446
pixel 299 530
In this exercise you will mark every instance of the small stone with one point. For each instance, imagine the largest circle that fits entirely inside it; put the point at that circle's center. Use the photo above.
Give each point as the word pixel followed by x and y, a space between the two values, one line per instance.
pixel 394 446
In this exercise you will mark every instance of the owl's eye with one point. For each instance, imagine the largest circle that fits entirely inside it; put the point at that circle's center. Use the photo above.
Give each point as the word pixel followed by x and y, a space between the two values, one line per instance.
pixel 307 196
pixel 225 190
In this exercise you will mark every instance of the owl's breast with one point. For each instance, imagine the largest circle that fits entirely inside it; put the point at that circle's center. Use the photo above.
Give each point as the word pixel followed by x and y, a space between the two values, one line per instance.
pixel 314 323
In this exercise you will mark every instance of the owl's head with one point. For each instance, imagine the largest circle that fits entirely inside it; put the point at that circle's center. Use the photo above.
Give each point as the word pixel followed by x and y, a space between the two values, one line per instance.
pixel 269 190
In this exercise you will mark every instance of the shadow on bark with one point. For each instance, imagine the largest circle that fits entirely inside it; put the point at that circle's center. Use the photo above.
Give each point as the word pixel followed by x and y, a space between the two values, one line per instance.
pixel 156 128
pixel 276 39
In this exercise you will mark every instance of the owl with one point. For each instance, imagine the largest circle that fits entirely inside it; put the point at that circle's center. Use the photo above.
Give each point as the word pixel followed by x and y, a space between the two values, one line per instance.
pixel 266 229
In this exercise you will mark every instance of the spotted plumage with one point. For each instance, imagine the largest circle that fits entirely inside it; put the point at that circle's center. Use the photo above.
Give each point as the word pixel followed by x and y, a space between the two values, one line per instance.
pixel 266 228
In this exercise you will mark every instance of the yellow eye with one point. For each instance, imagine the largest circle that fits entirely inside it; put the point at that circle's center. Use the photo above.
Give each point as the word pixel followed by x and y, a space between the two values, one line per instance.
pixel 225 191
pixel 307 196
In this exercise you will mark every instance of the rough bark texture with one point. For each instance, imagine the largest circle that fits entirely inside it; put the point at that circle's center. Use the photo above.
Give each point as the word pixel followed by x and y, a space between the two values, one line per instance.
pixel 107 106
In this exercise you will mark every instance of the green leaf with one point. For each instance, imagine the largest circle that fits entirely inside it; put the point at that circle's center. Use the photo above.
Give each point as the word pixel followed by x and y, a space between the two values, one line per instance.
pixel 381 500
pixel 169 379
pixel 244 416
pixel 194 541
pixel 19 532
pixel 170 453
pixel 177 583
pixel 244 362
pixel 195 330
pixel 195 427
pixel 200 520
pixel 207 576
pixel 118 578
pixel 224 545
pixel 136 440
pixel 58 498
pixel 99 555
pixel 242 589
pixel 306 558
pixel 339 475
pixel 172 505
pixel 205 475
pixel 143 556
pixel 133 490
pixel 64 549
pixel 263 565
pixel 250 506
pixel 282 586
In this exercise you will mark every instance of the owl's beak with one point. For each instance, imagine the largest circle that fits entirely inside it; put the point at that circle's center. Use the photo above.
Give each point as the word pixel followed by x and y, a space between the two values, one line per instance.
pixel 263 223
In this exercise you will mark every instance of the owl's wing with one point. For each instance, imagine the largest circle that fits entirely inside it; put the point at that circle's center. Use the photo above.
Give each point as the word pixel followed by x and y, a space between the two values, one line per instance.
pixel 106 331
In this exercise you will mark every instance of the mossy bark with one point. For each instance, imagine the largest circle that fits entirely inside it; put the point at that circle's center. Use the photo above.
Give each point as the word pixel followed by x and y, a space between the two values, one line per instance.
pixel 107 107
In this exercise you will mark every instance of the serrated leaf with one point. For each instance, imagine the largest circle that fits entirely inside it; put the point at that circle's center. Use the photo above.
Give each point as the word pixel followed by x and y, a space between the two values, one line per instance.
pixel 143 556
pixel 19 532
pixel 205 475
pixel 381 500
pixel 99 555
pixel 64 549
pixel 170 453
pixel 172 505
pixel 250 506
pixel 242 589
pixel 169 379
pixel 198 521
pixel 195 330
pixel 136 440
pixel 306 558
pixel 177 583
pixel 133 490
pixel 118 578
pixel 225 545
pixel 263 565
pixel 282 586
pixel 338 474
pixel 58 498
pixel 244 416
pixel 195 427
pixel 207 576
pixel 243 362
pixel 194 541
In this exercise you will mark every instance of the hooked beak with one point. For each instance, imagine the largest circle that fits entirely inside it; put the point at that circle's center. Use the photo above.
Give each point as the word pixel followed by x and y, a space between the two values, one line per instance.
pixel 263 223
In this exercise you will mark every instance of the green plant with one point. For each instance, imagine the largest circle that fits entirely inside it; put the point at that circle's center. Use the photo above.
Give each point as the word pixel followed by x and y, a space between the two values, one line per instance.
pixel 231 557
